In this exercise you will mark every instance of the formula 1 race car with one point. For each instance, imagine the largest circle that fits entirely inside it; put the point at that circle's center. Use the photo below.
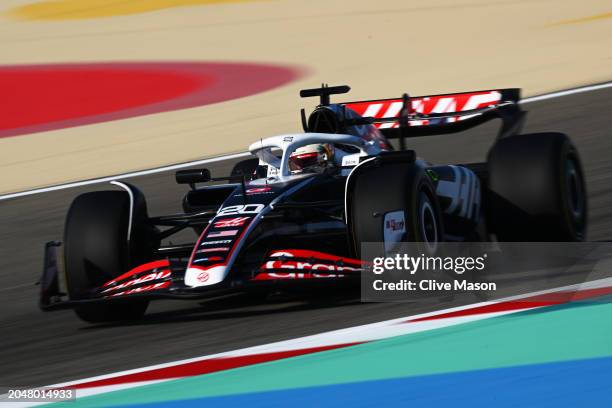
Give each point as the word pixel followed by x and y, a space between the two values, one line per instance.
pixel 299 210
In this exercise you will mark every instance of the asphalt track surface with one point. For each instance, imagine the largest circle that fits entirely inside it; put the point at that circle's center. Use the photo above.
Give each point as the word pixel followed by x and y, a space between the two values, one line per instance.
pixel 39 348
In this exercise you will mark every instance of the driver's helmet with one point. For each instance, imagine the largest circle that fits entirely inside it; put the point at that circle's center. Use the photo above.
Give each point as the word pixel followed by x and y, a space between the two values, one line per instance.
pixel 311 158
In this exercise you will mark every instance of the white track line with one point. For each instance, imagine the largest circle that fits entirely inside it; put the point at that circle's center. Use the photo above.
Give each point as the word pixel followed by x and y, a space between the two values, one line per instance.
pixel 123 176
pixel 551 95
pixel 567 92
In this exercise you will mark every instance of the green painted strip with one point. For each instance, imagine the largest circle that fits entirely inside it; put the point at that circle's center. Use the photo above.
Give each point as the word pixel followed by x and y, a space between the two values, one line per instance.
pixel 568 332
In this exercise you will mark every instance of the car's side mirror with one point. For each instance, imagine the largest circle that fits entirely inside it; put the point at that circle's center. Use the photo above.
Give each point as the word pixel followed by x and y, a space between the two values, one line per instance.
pixel 193 176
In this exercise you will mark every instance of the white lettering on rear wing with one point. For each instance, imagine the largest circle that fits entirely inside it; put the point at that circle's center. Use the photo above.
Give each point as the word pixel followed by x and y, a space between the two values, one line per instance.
pixel 425 105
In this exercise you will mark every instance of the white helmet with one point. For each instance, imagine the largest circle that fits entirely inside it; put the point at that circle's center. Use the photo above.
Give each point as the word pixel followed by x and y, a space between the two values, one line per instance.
pixel 313 157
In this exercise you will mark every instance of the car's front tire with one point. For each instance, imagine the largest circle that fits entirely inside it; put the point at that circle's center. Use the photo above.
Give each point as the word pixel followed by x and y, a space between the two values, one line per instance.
pixel 394 187
pixel 97 249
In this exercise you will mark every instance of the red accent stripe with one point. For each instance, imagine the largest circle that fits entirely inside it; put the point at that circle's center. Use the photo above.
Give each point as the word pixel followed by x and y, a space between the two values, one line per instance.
pixel 548 299
pixel 565 297
pixel 141 268
pixel 206 366
pixel 493 308
pixel 205 268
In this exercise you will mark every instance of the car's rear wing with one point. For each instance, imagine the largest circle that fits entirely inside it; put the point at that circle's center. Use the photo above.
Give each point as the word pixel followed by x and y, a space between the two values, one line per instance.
pixel 440 114
pixel 430 114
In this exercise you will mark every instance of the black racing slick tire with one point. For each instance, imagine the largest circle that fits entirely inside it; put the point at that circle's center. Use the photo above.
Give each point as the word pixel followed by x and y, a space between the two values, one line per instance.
pixel 388 187
pixel 96 250
pixel 537 191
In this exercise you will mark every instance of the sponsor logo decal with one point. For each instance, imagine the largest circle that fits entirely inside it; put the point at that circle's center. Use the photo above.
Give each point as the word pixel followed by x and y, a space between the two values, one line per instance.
pixel 304 253
pixel 231 222
pixel 272 171
pixel 146 278
pixel 351 160
pixel 203 276
pixel 194 276
pixel 307 266
pixel 295 275
pixel 318 265
pixel 463 191
pixel 159 285
pixel 432 175
pixel 394 229
pixel 218 242
pixel 395 225
pixel 154 266
pixel 259 190
pixel 226 233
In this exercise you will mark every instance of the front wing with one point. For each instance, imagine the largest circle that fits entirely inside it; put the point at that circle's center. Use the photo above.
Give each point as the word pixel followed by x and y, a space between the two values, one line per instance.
pixel 160 279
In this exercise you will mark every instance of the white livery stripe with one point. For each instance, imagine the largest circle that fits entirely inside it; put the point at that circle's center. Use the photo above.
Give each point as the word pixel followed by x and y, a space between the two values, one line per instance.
pixel 228 233
pixel 393 110
pixel 372 110
pixel 222 249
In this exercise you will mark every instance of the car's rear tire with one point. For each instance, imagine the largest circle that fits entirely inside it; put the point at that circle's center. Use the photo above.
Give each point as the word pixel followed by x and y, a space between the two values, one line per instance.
pixel 536 189
pixel 96 250
pixel 389 187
